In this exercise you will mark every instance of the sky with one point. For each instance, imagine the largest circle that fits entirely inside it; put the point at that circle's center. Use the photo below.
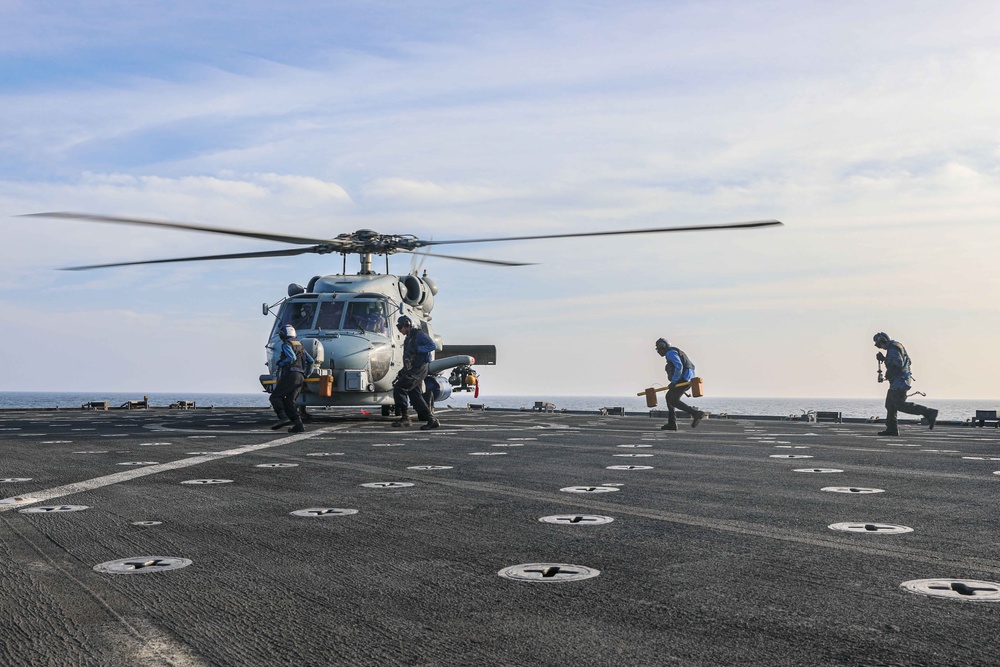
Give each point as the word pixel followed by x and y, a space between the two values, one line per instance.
pixel 872 130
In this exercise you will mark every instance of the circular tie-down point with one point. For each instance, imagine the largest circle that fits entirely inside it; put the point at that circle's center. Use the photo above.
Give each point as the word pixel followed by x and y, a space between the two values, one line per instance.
pixel 963 590
pixel 851 489
pixel 386 485
pixel 277 465
pixel 634 446
pixel 14 480
pixel 548 572
pixel 323 512
pixel 819 470
pixel 53 508
pixel 390 444
pixel 207 481
pixel 325 454
pixel 142 565
pixel 870 528
pixel 789 456
pixel 628 467
pixel 589 489
pixel 139 463
pixel 577 519
pixel 429 467
pixel 146 523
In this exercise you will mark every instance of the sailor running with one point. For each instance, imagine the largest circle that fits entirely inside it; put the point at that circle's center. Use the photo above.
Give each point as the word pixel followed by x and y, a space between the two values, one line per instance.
pixel 897 372
pixel 680 371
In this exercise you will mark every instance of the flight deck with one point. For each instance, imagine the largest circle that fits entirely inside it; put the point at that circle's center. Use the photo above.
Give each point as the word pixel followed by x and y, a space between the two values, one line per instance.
pixel 201 537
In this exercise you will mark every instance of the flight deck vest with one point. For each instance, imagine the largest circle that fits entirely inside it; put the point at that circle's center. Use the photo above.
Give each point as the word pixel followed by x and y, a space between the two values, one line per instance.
pixel 685 362
pixel 891 372
pixel 298 364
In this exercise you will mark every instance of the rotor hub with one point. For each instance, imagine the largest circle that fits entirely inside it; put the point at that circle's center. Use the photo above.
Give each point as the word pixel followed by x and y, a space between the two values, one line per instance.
pixel 370 242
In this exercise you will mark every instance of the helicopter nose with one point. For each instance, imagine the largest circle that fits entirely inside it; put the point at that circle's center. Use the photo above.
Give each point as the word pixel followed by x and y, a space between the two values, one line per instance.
pixel 347 352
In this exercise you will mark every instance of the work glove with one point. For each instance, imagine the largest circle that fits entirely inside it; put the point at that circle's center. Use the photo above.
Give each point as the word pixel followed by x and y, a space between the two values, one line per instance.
pixel 880 356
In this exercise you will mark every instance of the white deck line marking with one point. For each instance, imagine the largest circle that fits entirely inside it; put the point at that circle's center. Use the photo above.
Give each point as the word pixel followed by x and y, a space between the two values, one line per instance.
pixel 127 475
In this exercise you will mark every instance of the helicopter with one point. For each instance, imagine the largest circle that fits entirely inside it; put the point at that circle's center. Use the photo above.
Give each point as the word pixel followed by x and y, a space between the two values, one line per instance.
pixel 346 321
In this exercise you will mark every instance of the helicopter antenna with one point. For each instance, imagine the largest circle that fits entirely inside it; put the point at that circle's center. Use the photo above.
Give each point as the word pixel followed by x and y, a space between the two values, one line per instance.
pixel 414 265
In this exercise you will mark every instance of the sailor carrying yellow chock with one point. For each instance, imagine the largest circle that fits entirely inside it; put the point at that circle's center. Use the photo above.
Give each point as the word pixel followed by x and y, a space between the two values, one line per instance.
pixel 680 372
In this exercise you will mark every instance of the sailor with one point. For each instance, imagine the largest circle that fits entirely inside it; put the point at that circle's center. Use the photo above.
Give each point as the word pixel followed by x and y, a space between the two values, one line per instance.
pixel 897 372
pixel 293 360
pixel 418 349
pixel 680 371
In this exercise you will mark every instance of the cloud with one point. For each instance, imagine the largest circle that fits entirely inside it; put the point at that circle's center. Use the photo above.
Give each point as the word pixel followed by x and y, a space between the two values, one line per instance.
pixel 869 129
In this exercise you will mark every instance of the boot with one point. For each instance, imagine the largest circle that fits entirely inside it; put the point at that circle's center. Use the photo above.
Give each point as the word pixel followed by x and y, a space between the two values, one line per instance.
pixel 931 418
pixel 431 423
pixel 888 433
pixel 402 421
pixel 282 422
pixel 698 416
pixel 298 427
pixel 669 427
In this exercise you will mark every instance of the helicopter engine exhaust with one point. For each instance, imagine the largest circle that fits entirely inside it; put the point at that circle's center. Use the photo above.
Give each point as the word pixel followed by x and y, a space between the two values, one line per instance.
pixel 417 293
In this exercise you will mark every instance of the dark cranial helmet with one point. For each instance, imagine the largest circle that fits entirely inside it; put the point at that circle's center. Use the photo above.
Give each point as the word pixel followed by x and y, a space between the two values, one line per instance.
pixel 662 344
pixel 881 338
pixel 404 321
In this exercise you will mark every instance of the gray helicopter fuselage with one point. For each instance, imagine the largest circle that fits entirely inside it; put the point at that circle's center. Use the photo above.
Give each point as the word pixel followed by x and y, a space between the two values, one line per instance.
pixel 347 323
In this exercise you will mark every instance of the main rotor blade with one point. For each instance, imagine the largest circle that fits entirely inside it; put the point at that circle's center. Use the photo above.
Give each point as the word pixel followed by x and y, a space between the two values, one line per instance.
pixel 495 262
pixel 240 255
pixel 281 238
pixel 690 228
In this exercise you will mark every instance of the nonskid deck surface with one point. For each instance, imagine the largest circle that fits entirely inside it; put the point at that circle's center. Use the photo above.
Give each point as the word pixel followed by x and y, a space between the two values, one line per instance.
pixel 719 552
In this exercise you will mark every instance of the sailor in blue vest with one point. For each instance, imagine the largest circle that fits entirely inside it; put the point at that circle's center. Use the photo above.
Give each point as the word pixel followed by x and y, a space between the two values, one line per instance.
pixel 291 366
pixel 680 370
pixel 418 351
pixel 897 372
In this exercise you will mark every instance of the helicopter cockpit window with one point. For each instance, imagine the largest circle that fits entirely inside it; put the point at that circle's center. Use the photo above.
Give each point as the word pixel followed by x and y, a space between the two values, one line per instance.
pixel 299 314
pixel 368 316
pixel 330 314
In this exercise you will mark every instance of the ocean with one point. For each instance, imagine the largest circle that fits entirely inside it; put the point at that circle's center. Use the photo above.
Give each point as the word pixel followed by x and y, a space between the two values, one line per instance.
pixel 950 409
